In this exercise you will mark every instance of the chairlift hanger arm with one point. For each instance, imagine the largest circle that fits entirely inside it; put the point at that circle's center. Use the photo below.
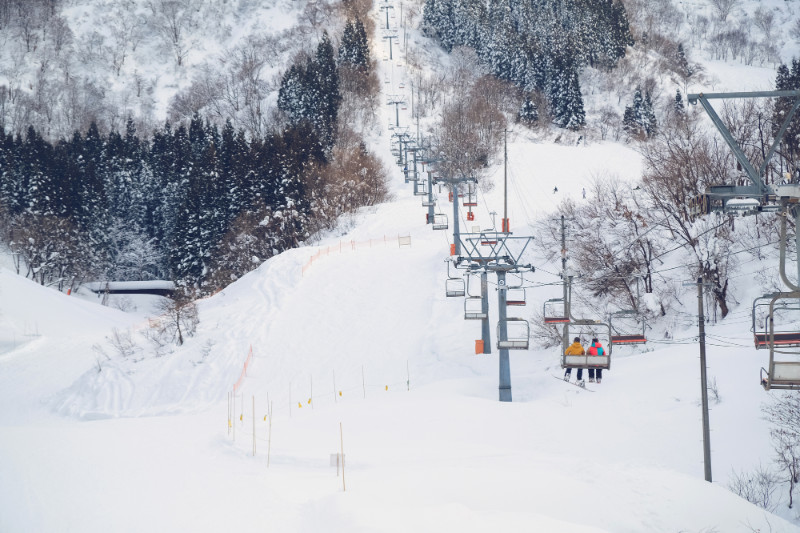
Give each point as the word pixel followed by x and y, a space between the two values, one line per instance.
pixel 740 156
pixel 752 174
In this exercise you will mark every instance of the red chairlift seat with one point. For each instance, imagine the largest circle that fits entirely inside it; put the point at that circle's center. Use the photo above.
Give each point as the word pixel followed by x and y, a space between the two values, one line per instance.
pixel 781 339
pixel 628 339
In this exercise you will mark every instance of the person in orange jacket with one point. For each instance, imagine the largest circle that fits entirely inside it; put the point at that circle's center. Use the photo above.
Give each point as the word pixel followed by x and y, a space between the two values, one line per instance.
pixel 596 349
pixel 576 348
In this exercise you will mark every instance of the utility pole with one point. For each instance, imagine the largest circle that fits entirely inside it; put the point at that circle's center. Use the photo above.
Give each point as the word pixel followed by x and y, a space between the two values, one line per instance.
pixel 565 280
pixel 704 382
pixel 703 378
pixel 505 228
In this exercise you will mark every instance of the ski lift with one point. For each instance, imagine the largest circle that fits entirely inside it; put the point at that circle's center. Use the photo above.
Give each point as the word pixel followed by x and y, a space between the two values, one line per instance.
pixel 782 313
pixel 602 362
pixel 554 312
pixel 428 203
pixel 402 85
pixel 470 215
pixel 587 330
pixel 517 332
pixel 488 238
pixel 473 308
pixel 450 196
pixel 515 294
pixel 471 199
pixel 473 303
pixel 454 286
pixel 626 336
pixel 422 189
pixel 439 221
pixel 784 352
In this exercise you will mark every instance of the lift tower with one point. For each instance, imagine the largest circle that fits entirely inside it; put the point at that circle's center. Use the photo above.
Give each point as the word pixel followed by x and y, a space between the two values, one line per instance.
pixel 396 101
pixel 500 253
pixel 386 7
pixel 389 35
pixel 453 184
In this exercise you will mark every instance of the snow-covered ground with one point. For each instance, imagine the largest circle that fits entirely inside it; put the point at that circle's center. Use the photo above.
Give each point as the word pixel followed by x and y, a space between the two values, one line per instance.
pixel 360 350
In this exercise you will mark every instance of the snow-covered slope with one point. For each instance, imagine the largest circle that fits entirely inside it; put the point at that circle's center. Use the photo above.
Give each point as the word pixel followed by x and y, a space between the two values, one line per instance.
pixel 355 347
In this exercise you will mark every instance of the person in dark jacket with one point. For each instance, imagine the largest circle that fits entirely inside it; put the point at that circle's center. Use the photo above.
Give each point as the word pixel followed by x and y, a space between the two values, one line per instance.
pixel 596 349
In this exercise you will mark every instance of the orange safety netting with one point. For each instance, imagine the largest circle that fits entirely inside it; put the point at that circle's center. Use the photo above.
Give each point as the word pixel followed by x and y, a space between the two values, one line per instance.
pixel 244 370
pixel 343 246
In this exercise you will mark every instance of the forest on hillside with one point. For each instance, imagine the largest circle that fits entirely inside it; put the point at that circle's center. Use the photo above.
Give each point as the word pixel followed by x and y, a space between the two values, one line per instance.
pixel 195 201
pixel 265 143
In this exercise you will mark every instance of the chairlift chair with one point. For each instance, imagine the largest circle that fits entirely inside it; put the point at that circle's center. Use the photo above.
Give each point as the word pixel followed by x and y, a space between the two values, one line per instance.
pixel 488 238
pixel 515 296
pixel 783 335
pixel 422 190
pixel 626 336
pixel 454 287
pixel 473 308
pixel 518 332
pixel 471 198
pixel 784 350
pixel 554 313
pixel 439 221
pixel 428 203
pixel 586 330
pixel 473 303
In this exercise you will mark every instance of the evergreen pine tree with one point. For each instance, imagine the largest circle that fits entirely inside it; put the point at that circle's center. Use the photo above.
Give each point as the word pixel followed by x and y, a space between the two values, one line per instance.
pixel 565 95
pixel 648 118
pixel 354 49
pixel 785 80
pixel 528 113
pixel 630 124
pixel 678 105
pixel 310 93
pixel 329 98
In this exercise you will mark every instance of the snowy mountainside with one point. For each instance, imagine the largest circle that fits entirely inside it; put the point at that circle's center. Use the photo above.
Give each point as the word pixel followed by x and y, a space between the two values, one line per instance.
pixel 427 445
